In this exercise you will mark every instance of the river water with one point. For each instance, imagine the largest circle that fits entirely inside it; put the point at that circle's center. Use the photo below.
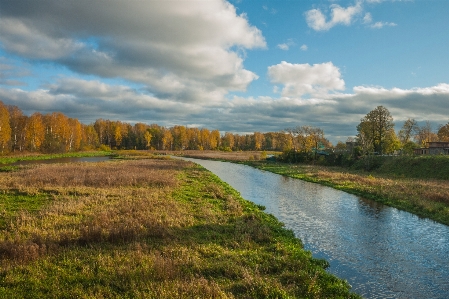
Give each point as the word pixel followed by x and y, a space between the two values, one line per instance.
pixel 381 251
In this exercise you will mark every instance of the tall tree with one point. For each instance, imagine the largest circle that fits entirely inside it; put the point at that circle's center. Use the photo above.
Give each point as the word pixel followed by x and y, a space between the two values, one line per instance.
pixel 34 132
pixel 408 130
pixel 17 123
pixel 374 129
pixel 425 134
pixel 214 139
pixel 259 139
pixel 90 138
pixel 167 140
pixel 443 133
pixel 76 134
pixel 147 136
pixel 228 140
pixel 5 129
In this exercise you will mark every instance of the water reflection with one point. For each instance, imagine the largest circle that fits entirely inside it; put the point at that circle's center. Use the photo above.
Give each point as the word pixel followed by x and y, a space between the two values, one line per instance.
pixel 381 251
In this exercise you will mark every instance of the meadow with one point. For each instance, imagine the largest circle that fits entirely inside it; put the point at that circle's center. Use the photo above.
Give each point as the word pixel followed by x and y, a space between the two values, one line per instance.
pixel 146 226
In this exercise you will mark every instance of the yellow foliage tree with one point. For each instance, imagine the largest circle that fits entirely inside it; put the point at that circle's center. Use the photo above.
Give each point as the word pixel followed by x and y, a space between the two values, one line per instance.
pixel 34 132
pixel 5 129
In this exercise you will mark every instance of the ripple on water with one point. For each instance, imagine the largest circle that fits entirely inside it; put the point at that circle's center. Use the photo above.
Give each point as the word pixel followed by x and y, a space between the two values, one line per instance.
pixel 381 251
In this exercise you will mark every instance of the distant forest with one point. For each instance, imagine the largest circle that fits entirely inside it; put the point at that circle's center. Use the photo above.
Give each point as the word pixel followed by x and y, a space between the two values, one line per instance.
pixel 57 133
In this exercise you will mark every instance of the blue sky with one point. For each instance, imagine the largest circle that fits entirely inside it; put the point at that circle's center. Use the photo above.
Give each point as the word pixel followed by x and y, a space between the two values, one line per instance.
pixel 238 65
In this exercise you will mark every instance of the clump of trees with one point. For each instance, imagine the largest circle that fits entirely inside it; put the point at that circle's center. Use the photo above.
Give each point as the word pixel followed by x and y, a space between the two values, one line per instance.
pixel 376 134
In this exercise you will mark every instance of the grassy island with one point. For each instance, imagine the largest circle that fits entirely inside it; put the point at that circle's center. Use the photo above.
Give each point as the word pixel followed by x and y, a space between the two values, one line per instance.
pixel 146 228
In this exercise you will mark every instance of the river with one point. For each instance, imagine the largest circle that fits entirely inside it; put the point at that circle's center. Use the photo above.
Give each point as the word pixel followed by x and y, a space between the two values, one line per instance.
pixel 381 251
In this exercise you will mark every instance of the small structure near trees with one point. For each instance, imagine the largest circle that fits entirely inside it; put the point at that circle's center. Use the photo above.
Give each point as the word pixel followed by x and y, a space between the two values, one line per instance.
pixel 433 148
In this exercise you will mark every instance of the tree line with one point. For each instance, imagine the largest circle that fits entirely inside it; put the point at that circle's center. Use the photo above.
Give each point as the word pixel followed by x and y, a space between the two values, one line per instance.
pixel 57 133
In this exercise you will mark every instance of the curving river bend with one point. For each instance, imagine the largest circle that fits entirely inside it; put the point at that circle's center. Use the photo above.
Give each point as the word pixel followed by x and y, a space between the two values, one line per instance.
pixel 381 251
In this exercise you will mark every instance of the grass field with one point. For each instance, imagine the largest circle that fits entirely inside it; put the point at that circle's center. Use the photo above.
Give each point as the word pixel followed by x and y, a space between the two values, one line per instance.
pixel 146 228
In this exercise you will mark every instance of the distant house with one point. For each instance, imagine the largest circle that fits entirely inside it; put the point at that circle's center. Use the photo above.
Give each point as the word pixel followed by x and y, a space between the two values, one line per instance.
pixel 433 148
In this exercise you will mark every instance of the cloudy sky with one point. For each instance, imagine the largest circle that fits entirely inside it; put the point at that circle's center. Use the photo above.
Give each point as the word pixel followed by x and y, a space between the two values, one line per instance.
pixel 239 65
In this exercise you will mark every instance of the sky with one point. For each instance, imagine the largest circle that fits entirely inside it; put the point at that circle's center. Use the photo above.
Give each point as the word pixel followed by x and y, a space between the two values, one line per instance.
pixel 238 66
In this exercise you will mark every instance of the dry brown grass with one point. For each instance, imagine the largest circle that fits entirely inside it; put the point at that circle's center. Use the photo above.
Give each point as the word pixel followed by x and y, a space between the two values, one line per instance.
pixel 98 202
pixel 429 196
pixel 100 175
pixel 218 155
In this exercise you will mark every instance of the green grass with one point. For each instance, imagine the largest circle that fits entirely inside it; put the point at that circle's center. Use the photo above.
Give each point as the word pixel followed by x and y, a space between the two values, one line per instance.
pixel 13 159
pixel 420 167
pixel 12 203
pixel 190 238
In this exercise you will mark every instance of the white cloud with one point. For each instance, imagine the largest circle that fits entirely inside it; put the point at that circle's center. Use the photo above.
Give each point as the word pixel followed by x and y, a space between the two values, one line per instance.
pixel 379 25
pixel 317 20
pixel 301 79
pixel 304 48
pixel 186 52
pixel 367 18
pixel 339 15
pixel 284 47
pixel 337 114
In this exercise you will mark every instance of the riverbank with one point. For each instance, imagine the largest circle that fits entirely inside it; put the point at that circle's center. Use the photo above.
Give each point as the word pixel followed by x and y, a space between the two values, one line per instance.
pixel 401 184
pixel 155 228
pixel 427 198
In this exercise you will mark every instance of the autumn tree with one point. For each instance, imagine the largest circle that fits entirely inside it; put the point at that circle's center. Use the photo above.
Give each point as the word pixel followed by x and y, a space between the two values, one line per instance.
pixel 17 123
pixel 34 132
pixel 139 130
pixel 147 136
pixel 76 134
pixel 375 128
pixel 406 134
pixel 259 139
pixel 57 133
pixel 180 138
pixel 214 139
pixel 443 133
pixel 117 133
pixel 408 130
pixel 425 134
pixel 228 141
pixel 167 140
pixel 204 139
pixel 5 129
pixel 90 138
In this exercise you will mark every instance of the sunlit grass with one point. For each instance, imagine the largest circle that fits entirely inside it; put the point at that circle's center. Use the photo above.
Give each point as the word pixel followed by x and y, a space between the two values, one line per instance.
pixel 146 229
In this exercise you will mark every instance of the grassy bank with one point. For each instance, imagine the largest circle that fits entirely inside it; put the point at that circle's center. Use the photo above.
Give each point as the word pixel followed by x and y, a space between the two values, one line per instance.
pixel 146 228
pixel 418 185
pixel 424 197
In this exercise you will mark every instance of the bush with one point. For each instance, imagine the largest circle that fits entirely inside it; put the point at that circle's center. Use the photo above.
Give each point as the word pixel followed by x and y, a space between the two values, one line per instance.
pixel 104 148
